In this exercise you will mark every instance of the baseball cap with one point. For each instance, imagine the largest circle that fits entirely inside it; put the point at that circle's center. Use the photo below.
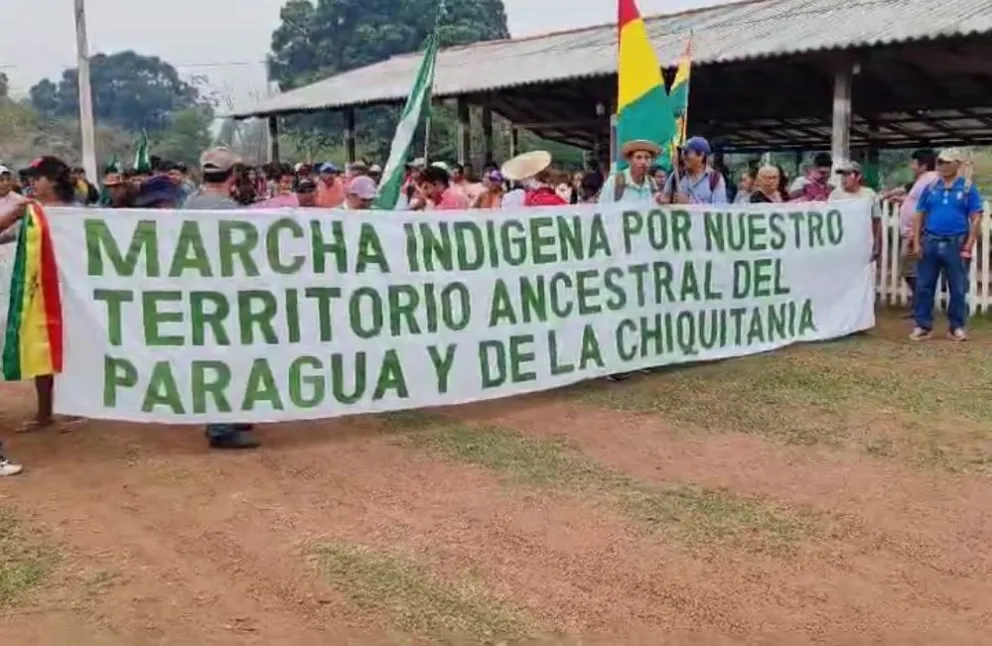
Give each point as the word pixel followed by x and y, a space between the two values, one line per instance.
pixel 329 167
pixel 847 167
pixel 441 165
pixel 363 188
pixel 419 162
pixel 218 160
pixel 698 145
pixel 375 168
pixel 495 177
pixel 951 155
pixel 47 166
pixel 357 166
pixel 306 186
pixel 4 170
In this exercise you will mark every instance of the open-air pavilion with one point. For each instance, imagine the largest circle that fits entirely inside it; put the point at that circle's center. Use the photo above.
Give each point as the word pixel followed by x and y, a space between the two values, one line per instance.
pixel 768 75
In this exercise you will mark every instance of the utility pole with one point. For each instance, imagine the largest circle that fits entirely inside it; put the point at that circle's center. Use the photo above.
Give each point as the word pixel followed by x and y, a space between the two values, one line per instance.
pixel 86 125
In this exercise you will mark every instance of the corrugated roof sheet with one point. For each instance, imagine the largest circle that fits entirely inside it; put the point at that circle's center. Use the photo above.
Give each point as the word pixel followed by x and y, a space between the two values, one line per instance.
pixel 721 34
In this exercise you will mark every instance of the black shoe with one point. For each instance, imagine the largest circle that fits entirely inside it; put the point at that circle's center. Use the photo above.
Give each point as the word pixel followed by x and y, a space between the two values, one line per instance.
pixel 235 440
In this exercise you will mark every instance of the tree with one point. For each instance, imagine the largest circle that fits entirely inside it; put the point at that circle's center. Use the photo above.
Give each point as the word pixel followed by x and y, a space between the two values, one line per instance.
pixel 315 40
pixel 45 97
pixel 332 36
pixel 4 86
pixel 132 91
pixel 187 136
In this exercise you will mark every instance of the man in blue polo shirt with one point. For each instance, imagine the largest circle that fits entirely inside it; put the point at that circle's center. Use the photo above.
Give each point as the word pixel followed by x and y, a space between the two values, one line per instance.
pixel 944 233
pixel 698 182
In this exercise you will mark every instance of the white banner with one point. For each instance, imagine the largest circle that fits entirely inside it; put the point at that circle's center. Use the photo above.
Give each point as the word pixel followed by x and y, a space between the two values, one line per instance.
pixel 193 317
pixel 7 254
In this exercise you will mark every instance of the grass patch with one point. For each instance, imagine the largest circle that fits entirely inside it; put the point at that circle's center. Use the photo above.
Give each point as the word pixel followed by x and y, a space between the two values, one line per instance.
pixel 526 459
pixel 415 601
pixel 869 392
pixel 25 558
pixel 705 517
pixel 697 516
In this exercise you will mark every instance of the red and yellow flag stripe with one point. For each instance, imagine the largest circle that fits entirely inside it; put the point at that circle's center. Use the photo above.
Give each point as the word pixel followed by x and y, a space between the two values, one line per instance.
pixel 33 339
pixel 637 65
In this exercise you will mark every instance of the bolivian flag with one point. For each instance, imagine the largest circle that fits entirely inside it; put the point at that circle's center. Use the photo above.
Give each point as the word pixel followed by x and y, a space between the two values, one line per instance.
pixel 679 97
pixel 33 339
pixel 643 107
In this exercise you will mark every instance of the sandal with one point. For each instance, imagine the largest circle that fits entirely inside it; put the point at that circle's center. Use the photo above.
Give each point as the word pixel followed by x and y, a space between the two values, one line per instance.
pixel 34 425
pixel 67 423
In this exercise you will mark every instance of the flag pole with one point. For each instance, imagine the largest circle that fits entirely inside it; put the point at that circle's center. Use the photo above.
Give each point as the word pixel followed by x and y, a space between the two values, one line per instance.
pixel 427 135
pixel 86 123
pixel 677 153
pixel 438 15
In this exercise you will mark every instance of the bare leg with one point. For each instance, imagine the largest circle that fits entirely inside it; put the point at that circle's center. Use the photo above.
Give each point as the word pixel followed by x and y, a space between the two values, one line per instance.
pixel 43 388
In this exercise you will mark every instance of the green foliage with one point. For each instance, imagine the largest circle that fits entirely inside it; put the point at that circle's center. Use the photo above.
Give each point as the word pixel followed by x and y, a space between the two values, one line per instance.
pixel 131 91
pixel 24 134
pixel 188 135
pixel 315 40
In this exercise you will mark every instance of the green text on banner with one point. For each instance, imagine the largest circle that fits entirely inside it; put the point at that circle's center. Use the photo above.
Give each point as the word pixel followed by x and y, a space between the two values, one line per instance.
pixel 190 317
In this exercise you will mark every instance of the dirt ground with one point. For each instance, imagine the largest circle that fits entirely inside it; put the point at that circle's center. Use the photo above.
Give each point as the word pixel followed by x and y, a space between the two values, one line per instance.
pixel 828 494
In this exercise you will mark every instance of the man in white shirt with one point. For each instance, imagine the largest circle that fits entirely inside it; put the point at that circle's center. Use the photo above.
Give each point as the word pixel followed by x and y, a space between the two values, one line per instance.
pixel 635 184
pixel 8 198
pixel 852 188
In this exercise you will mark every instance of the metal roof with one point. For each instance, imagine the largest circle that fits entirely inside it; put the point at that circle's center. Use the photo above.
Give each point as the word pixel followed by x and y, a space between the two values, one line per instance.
pixel 721 34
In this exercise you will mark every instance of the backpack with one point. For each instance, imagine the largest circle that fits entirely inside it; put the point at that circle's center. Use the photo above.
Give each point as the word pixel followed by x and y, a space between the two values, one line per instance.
pixel 714 180
pixel 620 185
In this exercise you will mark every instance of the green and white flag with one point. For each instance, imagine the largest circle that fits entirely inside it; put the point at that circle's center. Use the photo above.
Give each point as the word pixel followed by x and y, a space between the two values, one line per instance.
pixel 142 161
pixel 417 104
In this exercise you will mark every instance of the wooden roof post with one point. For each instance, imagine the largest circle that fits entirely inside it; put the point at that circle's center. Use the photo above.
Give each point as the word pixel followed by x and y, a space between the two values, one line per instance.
pixel 464 132
pixel 487 133
pixel 840 137
pixel 514 141
pixel 349 134
pixel 274 139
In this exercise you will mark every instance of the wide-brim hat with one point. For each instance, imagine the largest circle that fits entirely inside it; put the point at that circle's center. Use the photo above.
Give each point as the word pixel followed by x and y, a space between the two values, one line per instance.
pixel 526 165
pixel 638 145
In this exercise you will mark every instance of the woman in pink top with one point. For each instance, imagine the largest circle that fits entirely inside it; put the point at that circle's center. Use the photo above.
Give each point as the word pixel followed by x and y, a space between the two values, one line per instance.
pixel 438 190
pixel 922 164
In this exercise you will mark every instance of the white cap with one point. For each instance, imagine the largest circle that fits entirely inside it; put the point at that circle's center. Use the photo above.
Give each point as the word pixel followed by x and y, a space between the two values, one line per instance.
pixel 363 187
pixel 441 165
pixel 952 155
pixel 4 170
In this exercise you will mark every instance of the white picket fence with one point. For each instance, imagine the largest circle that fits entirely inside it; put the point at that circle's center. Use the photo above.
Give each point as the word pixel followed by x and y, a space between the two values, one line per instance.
pixel 891 288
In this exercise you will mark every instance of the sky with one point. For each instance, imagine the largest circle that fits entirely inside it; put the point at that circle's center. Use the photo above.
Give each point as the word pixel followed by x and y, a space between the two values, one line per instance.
pixel 224 40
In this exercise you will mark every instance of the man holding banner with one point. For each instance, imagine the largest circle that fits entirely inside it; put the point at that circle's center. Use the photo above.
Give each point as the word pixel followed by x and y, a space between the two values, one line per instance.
pixel 217 167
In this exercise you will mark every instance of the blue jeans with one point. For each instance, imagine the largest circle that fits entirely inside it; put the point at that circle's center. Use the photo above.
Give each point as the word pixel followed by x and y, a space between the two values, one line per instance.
pixel 223 430
pixel 941 254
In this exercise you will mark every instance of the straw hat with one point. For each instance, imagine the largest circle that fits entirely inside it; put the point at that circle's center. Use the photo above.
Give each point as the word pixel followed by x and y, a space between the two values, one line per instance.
pixel 637 145
pixel 526 165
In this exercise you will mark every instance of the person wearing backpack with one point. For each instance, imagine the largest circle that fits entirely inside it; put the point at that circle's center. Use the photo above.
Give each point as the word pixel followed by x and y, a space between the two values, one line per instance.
pixel 697 183
pixel 635 184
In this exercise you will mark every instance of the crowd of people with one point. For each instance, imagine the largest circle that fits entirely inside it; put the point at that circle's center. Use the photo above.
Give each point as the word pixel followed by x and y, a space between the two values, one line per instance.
pixel 940 209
